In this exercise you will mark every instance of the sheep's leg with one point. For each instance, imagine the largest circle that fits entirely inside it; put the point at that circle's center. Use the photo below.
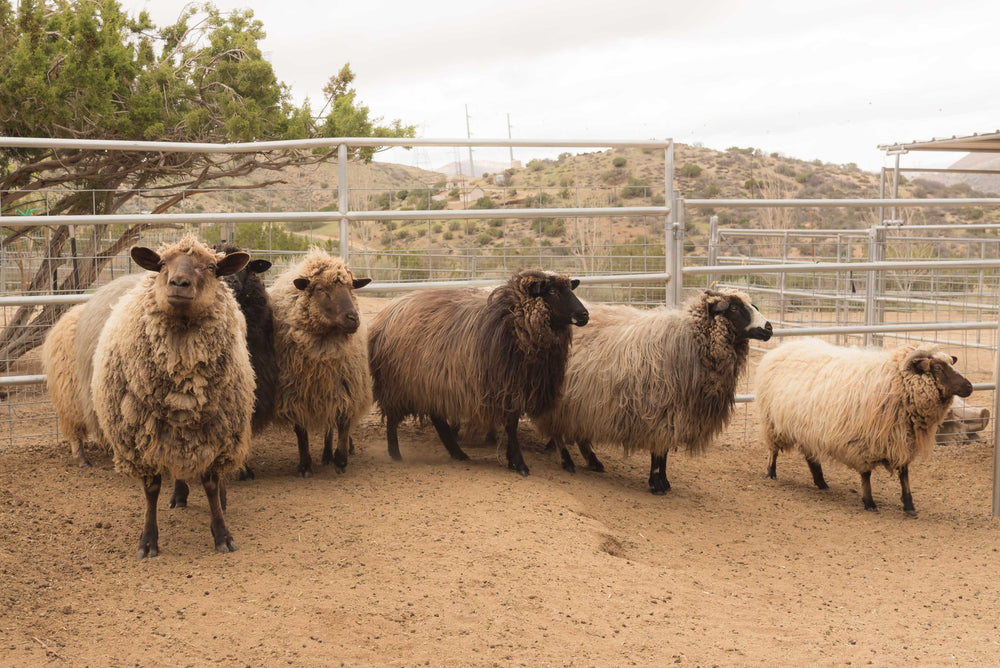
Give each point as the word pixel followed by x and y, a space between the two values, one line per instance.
pixel 567 460
pixel 515 460
pixel 179 499
pixel 658 483
pixel 76 449
pixel 447 436
pixel 392 435
pixel 343 444
pixel 223 539
pixel 904 482
pixel 550 446
pixel 305 461
pixel 593 463
pixel 246 473
pixel 149 542
pixel 817 472
pixel 328 446
pixel 772 465
pixel 866 491
pixel 350 446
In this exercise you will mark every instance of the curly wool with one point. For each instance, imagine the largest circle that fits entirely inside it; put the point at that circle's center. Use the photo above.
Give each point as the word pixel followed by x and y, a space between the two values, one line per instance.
pixel 657 380
pixel 174 394
pixel 322 375
pixel 861 407
pixel 469 355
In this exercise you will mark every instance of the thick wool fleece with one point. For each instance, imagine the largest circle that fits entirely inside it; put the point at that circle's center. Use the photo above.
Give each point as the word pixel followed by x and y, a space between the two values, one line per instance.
pixel 861 407
pixel 468 355
pixel 322 375
pixel 174 395
pixel 657 379
pixel 59 366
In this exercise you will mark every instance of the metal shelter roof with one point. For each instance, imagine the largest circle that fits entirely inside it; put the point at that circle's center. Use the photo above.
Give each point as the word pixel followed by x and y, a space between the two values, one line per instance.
pixel 975 143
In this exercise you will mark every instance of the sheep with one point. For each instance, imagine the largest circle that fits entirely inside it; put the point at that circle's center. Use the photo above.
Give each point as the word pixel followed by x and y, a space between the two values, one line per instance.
pixel 962 423
pixel 859 406
pixel 467 355
pixel 251 295
pixel 656 379
pixel 172 386
pixel 67 360
pixel 320 342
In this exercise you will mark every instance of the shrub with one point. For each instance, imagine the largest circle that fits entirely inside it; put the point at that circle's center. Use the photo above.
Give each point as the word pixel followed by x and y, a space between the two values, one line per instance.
pixel 635 188
pixel 708 191
pixel 447 236
pixel 619 162
pixel 803 177
pixel 538 200
pixel 484 239
pixel 536 165
pixel 484 202
pixel 453 193
pixel 689 170
pixel 454 225
pixel 402 235
pixel 550 227
pixel 437 228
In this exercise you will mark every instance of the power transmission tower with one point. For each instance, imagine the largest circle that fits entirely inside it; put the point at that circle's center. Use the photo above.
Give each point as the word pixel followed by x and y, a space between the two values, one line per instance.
pixel 468 134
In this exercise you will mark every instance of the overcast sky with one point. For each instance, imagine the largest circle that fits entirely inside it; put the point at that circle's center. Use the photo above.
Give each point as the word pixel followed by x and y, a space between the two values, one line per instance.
pixel 819 79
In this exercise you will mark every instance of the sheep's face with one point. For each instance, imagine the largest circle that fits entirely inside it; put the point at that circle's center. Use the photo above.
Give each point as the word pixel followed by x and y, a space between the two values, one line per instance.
pixel 556 290
pixel 187 276
pixel 331 303
pixel 246 278
pixel 747 320
pixel 948 380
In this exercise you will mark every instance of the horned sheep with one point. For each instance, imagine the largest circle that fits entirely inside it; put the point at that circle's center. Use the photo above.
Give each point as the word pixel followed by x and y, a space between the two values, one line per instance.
pixel 172 384
pixel 474 357
pixel 862 407
pixel 320 342
pixel 656 379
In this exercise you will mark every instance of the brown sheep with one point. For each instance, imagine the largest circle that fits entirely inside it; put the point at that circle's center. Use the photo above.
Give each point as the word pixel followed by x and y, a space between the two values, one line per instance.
pixel 172 384
pixel 320 342
pixel 463 355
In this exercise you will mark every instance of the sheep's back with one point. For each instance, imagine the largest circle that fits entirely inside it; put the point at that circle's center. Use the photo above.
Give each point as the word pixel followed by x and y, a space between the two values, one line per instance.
pixel 173 398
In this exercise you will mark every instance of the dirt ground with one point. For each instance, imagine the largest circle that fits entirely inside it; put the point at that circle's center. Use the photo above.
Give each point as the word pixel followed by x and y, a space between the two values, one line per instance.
pixel 440 563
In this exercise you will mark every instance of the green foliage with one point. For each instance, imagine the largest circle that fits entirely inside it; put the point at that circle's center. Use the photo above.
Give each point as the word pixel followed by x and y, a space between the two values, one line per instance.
pixel 550 227
pixel 708 191
pixel 538 200
pixel 619 162
pixel 453 193
pixel 272 236
pixel 484 202
pixel 803 177
pixel 635 188
pixel 689 170
pixel 484 239
pixel 535 165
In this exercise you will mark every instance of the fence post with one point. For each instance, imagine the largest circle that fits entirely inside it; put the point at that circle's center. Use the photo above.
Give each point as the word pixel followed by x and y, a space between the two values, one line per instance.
pixel 342 201
pixel 996 428
pixel 670 248
pixel 675 243
pixel 873 309
pixel 713 247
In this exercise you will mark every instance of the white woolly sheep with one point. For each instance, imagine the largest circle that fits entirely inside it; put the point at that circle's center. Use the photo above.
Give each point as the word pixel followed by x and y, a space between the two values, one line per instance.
pixel 321 345
pixel 67 360
pixel 862 407
pixel 172 386
pixel 654 380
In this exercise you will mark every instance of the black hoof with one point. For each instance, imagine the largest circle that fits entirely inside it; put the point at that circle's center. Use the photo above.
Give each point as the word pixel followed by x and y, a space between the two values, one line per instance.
pixel 178 503
pixel 328 459
pixel 460 456
pixel 246 473
pixel 772 475
pixel 305 473
pixel 658 492
pixel 226 545
pixel 569 466
pixel 872 508
pixel 596 467
pixel 522 469
pixel 822 485
pixel 148 548
pixel 339 461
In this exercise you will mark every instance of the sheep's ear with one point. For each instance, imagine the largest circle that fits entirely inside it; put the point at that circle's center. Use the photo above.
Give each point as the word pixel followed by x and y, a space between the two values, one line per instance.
pixel 232 263
pixel 361 282
pixel 720 306
pixel 146 258
pixel 574 283
pixel 301 283
pixel 921 365
pixel 954 360
pixel 258 266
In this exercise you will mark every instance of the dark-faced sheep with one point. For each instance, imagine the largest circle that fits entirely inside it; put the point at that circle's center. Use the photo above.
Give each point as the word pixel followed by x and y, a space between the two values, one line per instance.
pixel 860 407
pixel 321 347
pixel 656 380
pixel 172 383
pixel 465 355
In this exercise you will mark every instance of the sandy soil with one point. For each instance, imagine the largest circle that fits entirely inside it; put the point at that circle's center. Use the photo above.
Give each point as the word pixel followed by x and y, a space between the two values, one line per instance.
pixel 435 562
